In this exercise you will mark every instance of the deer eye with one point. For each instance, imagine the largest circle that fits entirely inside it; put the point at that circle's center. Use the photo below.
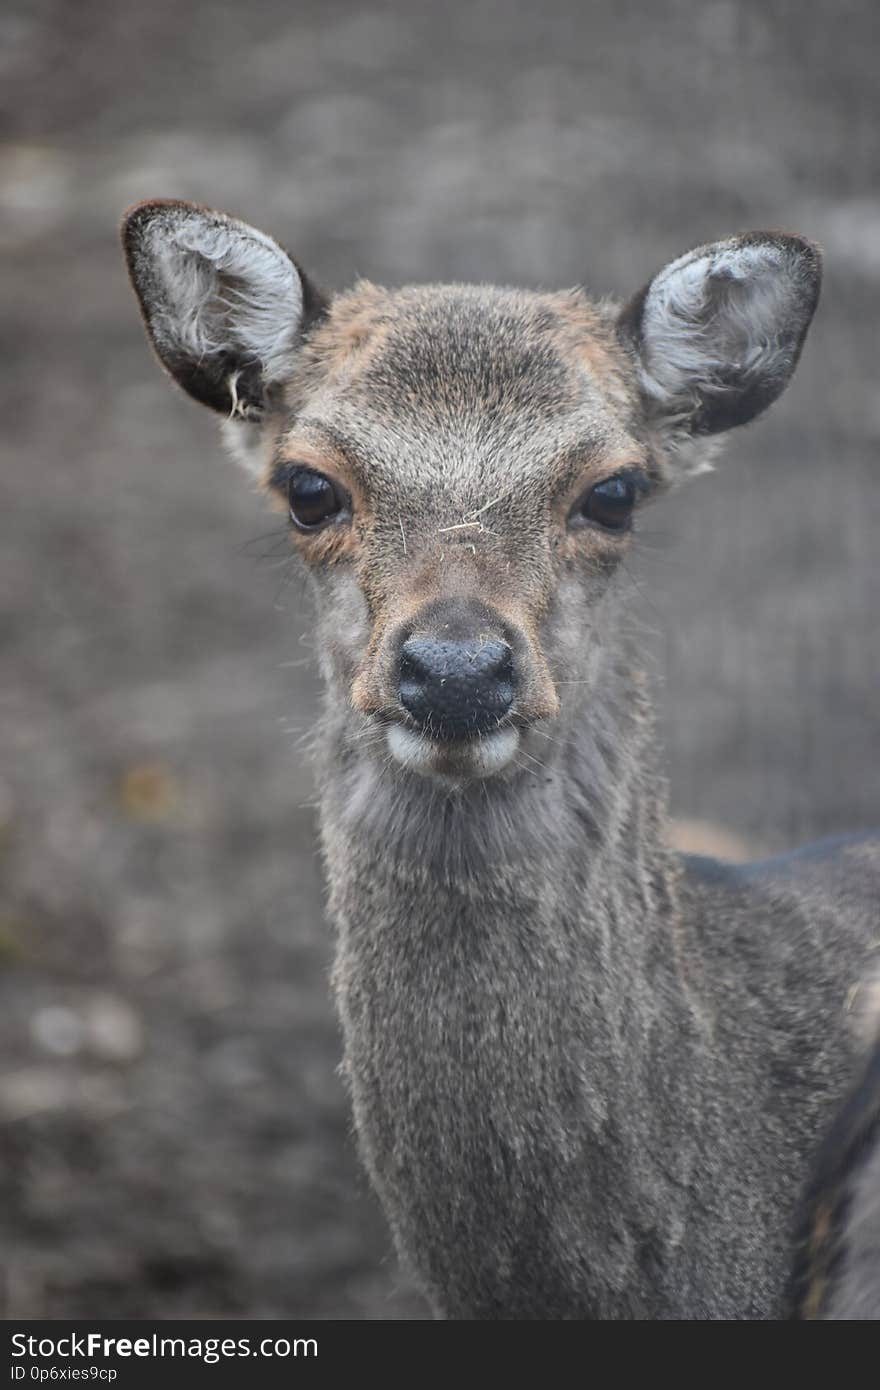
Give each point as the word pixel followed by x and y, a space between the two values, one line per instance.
pixel 610 504
pixel 313 498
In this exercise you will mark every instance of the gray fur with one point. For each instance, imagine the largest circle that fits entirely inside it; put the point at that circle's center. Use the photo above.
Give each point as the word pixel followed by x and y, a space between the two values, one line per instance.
pixel 587 1074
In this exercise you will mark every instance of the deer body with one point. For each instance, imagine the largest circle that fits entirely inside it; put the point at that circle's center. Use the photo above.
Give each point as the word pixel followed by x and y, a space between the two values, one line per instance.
pixel 588 1076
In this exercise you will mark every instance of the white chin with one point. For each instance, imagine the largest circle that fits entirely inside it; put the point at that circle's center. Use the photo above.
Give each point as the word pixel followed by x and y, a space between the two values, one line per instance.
pixel 479 757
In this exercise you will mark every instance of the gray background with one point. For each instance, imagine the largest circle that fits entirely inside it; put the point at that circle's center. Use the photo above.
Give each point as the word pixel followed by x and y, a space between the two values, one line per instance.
pixel 173 1136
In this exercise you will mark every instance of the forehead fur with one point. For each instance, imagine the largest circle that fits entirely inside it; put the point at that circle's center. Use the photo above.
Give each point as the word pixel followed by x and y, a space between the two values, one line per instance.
pixel 457 387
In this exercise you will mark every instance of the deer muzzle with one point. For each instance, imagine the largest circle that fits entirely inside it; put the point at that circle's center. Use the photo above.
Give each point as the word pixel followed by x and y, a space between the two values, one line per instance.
pixel 456 689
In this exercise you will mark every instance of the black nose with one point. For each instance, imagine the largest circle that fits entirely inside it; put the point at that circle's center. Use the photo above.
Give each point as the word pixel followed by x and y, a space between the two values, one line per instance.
pixel 456 689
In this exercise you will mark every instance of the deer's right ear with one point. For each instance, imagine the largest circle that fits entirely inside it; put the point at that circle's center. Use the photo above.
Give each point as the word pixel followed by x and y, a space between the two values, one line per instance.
pixel 225 307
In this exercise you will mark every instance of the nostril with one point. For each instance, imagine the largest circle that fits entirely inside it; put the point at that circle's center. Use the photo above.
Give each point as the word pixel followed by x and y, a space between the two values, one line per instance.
pixel 413 662
pixel 456 689
pixel 492 659
pixel 499 662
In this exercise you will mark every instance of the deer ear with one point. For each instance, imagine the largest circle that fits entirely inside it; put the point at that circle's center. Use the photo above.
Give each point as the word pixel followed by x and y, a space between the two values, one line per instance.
pixel 718 333
pixel 225 307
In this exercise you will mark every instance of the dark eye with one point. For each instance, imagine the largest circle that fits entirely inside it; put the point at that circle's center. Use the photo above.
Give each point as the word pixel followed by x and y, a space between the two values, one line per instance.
pixel 610 503
pixel 313 499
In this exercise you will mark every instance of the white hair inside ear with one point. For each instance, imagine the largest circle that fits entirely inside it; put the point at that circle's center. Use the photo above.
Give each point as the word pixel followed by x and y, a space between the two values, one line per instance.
pixel 228 289
pixel 686 344
pixel 719 330
pixel 223 302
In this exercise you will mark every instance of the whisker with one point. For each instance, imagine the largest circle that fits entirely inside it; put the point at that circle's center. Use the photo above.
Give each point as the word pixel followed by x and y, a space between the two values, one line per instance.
pixel 537 761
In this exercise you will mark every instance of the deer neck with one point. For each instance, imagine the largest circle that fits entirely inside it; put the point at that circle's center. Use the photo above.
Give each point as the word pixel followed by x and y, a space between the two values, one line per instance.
pixel 520 1038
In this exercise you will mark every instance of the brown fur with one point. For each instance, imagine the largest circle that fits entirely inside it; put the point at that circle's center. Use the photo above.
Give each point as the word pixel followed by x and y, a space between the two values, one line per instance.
pixel 582 332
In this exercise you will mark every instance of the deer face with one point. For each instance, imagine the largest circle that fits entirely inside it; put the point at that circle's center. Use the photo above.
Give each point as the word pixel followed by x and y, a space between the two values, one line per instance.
pixel 463 468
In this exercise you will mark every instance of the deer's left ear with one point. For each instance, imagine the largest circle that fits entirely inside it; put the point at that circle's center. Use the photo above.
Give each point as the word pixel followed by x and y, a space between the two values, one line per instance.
pixel 225 307
pixel 718 333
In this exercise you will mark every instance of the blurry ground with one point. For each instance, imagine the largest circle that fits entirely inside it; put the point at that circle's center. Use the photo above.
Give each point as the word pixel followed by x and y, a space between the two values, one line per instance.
pixel 173 1137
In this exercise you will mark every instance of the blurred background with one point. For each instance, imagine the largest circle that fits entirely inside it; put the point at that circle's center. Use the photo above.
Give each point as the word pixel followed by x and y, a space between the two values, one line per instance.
pixel 174 1139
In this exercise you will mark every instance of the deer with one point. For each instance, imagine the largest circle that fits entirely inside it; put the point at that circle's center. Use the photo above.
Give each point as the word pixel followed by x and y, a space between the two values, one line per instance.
pixel 588 1074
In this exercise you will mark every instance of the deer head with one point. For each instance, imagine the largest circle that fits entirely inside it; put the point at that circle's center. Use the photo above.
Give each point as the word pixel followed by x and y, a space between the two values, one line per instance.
pixel 464 467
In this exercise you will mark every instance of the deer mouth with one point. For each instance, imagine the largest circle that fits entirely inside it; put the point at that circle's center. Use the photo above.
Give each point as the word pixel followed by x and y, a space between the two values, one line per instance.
pixel 459 759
